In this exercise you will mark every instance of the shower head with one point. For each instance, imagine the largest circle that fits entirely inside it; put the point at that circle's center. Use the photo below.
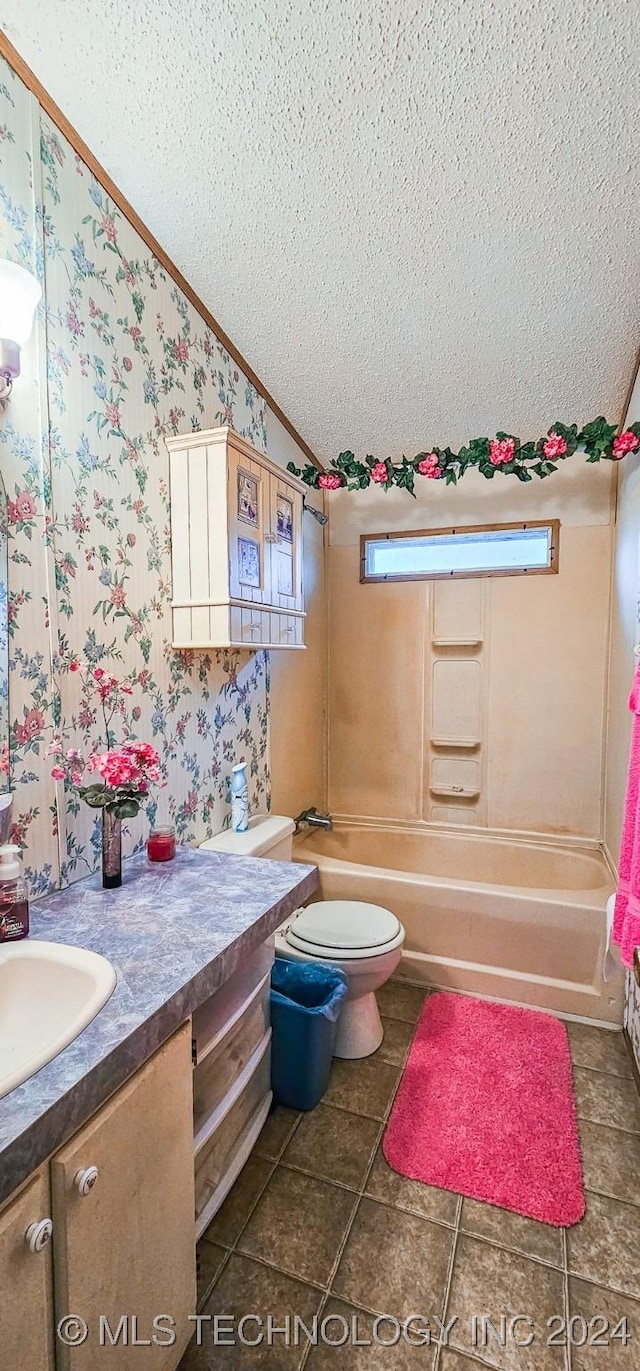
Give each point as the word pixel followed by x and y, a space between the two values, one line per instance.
pixel 321 518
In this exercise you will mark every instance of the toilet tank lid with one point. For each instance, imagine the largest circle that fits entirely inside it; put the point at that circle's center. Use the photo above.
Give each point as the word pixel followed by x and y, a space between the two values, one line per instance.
pixel 263 833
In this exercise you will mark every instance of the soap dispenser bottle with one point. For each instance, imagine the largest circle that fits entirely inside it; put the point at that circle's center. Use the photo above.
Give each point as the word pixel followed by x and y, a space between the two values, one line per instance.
pixel 14 898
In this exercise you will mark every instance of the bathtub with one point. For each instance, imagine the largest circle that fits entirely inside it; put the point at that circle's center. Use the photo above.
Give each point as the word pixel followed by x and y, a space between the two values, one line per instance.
pixel 504 917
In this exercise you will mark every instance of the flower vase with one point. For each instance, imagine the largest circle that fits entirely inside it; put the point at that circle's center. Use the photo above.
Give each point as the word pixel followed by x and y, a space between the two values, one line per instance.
pixel 111 850
pixel 239 798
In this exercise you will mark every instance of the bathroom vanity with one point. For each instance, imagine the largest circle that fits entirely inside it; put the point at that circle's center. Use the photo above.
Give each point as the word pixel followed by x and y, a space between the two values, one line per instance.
pixel 116 1155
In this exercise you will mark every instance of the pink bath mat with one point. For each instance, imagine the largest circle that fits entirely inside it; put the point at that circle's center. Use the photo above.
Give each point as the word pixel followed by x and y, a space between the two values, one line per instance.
pixel 485 1108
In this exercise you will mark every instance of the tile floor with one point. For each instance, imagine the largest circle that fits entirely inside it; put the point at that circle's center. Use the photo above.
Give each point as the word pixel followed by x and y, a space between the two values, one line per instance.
pixel 318 1225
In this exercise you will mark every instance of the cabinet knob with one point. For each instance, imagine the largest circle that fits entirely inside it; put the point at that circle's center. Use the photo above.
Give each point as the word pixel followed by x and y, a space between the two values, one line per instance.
pixel 85 1180
pixel 38 1235
pixel 287 631
pixel 255 625
pixel 270 538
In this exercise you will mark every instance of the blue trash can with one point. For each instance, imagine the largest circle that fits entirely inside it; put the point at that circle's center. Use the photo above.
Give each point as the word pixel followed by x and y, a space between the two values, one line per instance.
pixel 306 999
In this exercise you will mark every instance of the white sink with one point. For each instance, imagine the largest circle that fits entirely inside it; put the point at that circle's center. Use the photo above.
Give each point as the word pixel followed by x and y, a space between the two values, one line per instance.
pixel 49 992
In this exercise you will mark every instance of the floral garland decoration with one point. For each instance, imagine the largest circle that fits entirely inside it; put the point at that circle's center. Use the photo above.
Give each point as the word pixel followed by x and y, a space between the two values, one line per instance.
pixel 503 453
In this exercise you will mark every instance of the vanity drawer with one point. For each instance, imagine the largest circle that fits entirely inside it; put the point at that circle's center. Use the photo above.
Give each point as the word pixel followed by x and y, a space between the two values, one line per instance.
pixel 215 1159
pixel 213 1020
pixel 220 1068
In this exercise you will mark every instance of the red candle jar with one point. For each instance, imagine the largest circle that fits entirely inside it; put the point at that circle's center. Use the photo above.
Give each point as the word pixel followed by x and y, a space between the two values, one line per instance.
pixel 161 844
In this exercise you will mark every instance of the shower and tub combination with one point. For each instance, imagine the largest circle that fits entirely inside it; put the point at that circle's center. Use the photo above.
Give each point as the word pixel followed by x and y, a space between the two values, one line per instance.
pixel 509 917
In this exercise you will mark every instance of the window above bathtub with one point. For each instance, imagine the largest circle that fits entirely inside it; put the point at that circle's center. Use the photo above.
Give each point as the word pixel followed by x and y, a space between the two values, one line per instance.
pixel 483 550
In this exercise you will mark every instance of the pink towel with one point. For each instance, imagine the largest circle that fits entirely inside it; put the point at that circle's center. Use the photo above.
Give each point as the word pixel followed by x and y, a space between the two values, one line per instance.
pixel 626 918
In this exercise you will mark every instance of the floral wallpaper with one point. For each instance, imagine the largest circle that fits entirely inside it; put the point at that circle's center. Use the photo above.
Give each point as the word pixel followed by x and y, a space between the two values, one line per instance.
pixel 118 359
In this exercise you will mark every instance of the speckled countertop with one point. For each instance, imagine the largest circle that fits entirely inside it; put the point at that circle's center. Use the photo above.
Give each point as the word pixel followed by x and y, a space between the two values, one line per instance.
pixel 174 932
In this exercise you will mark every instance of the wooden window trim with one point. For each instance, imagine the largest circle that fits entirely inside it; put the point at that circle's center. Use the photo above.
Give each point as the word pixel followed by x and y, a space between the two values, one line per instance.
pixel 551 570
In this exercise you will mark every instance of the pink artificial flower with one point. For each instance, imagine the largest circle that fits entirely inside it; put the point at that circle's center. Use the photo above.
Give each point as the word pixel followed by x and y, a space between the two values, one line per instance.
pixel 330 481
pixel 379 473
pixel 501 451
pixel 625 442
pixel 555 446
pixel 430 466
pixel 74 666
pixel 57 773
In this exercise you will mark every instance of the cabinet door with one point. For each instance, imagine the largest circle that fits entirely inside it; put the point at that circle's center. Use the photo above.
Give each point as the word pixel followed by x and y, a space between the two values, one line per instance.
pixel 26 1282
pixel 125 1250
pixel 248 517
pixel 285 544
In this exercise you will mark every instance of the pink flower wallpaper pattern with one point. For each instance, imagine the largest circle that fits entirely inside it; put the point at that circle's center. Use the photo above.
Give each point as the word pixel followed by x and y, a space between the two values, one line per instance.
pixel 119 359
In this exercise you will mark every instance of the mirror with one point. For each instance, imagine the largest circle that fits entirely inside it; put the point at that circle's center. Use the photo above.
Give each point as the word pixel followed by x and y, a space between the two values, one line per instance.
pixel 5 779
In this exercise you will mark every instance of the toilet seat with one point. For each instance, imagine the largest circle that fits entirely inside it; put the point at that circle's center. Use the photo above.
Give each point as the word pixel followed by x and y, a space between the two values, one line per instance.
pixel 345 929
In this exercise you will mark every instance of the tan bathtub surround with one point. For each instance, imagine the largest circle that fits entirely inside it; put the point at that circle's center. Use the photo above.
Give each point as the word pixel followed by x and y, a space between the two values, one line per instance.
pixel 492 690
pixel 512 918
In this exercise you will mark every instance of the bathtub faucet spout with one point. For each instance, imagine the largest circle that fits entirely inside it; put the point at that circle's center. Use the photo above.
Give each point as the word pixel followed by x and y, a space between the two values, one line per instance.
pixel 314 819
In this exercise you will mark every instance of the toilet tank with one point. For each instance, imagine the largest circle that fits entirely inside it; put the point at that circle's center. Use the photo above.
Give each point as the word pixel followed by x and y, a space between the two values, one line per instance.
pixel 268 835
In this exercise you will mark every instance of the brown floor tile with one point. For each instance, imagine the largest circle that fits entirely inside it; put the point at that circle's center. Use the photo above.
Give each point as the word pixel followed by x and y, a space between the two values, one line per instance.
pixel 397 1036
pixel 599 1048
pixel 364 1087
pixel 591 1303
pixel 387 1185
pixel 276 1132
pixel 361 1328
pixel 454 1361
pixel 298 1225
pixel 333 1144
pixel 612 1100
pixel 394 1263
pixel 605 1246
pixel 397 1000
pixel 248 1288
pixel 501 1226
pixel 233 1214
pixel 610 1161
pixel 209 1259
pixel 490 1281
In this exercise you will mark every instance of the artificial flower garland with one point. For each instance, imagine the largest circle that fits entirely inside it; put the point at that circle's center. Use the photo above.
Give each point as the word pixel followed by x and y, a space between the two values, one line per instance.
pixel 503 453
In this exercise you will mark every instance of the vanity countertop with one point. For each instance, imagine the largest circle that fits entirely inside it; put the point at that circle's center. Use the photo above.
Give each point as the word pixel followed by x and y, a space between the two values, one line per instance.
pixel 174 932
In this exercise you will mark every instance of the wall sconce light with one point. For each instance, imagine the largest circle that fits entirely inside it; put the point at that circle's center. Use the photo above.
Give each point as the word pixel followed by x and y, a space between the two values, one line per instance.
pixel 19 296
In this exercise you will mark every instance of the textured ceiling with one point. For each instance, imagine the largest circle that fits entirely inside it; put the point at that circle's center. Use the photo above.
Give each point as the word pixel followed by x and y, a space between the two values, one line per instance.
pixel 418 221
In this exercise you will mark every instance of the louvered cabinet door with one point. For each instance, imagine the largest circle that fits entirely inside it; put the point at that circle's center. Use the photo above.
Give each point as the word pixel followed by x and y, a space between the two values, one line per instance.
pixel 26 1279
pixel 123 1202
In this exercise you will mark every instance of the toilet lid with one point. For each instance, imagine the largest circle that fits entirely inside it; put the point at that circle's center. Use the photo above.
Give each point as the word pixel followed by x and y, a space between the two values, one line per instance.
pixel 344 925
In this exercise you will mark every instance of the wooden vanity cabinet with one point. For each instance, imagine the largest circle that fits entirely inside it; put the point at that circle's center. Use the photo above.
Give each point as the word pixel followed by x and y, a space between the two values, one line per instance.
pixel 123 1238
pixel 26 1279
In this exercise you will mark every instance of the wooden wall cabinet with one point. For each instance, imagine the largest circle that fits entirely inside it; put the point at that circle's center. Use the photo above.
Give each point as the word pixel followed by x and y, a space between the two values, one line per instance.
pixel 236 535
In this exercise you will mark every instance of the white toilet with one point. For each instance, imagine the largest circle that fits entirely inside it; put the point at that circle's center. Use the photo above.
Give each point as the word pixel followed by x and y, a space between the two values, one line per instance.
pixel 363 940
